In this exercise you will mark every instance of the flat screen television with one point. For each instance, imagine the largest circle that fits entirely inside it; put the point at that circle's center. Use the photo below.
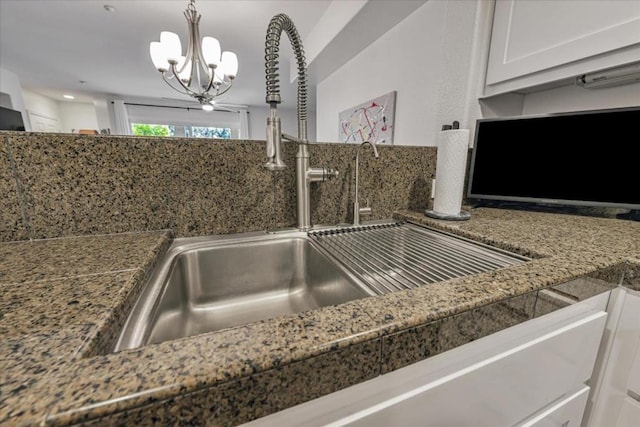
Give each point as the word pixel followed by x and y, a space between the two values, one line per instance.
pixel 10 119
pixel 586 158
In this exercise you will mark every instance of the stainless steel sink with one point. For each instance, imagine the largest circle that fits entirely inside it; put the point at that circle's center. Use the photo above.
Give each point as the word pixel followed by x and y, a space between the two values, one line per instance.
pixel 212 284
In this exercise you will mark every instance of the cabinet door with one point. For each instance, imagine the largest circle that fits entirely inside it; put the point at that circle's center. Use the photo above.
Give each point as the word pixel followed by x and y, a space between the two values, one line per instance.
pixel 615 377
pixel 532 36
pixel 629 414
pixel 634 378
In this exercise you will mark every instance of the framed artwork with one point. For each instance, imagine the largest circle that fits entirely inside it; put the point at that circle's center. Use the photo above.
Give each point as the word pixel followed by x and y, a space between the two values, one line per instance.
pixel 371 121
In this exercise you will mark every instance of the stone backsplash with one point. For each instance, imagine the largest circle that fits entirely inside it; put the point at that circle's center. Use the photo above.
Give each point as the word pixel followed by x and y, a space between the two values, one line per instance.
pixel 66 184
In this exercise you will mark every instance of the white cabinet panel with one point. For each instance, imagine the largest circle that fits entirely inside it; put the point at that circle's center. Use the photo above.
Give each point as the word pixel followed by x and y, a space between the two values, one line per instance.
pixel 614 368
pixel 546 35
pixel 634 377
pixel 629 414
pixel 567 412
pixel 499 380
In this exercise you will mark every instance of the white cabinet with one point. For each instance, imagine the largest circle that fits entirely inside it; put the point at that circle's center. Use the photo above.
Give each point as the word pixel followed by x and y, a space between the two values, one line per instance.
pixel 531 374
pixel 615 400
pixel 566 413
pixel 537 42
pixel 629 414
pixel 634 378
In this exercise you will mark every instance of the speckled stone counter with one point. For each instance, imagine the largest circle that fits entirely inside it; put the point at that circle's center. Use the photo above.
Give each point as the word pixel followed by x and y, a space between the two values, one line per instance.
pixel 60 296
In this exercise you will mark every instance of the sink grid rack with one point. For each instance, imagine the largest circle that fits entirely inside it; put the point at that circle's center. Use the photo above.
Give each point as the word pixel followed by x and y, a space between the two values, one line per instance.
pixel 400 255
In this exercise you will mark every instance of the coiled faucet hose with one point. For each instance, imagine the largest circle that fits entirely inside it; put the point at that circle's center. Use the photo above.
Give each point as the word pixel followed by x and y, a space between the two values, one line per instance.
pixel 277 25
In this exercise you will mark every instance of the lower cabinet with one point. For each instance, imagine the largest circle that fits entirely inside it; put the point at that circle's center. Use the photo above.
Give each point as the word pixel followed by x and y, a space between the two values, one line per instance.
pixel 615 399
pixel 532 374
pixel 630 413
pixel 568 411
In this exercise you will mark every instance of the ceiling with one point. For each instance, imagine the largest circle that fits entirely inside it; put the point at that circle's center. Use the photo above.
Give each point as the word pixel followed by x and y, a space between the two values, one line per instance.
pixel 80 48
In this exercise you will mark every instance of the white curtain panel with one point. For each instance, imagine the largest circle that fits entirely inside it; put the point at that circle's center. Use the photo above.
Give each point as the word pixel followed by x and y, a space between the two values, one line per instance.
pixel 122 126
pixel 244 123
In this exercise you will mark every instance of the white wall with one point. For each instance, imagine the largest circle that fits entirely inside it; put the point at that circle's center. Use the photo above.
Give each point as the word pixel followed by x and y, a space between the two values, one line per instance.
pixel 101 105
pixel 426 58
pixel 78 115
pixel 574 98
pixel 10 85
pixel 42 105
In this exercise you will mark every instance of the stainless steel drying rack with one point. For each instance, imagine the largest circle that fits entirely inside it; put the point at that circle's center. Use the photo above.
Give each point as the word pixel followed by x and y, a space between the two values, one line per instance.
pixel 400 255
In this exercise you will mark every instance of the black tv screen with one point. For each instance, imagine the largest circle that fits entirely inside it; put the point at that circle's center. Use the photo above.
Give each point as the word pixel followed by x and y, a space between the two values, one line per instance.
pixel 588 158
pixel 10 119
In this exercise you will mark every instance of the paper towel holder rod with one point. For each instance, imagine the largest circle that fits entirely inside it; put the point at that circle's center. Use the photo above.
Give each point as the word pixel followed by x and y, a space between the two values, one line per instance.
pixel 454 125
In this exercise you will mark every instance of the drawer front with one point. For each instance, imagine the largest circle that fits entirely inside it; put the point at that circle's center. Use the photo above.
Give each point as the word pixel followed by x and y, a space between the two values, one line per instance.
pixel 567 412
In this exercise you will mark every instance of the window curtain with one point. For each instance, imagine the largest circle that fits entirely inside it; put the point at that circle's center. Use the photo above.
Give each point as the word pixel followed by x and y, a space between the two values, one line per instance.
pixel 244 123
pixel 122 126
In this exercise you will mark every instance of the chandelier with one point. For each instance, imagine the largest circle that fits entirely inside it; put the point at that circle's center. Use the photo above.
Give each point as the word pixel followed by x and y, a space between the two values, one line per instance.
pixel 203 73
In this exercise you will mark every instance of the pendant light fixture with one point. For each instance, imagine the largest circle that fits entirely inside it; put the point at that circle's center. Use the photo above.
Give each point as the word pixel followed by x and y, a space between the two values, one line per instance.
pixel 203 72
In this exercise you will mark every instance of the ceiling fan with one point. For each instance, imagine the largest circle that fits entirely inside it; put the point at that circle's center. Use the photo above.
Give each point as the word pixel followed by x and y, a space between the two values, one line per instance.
pixel 195 105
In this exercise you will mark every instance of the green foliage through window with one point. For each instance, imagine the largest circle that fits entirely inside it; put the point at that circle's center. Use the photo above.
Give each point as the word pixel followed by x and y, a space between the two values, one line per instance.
pixel 143 129
pixel 210 132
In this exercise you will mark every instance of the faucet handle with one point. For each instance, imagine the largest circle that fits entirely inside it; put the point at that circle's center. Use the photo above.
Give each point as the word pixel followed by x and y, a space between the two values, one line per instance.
pixel 365 211
pixel 331 173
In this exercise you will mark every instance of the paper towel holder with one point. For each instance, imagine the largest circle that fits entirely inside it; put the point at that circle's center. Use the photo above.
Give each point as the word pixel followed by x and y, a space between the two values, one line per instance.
pixel 460 216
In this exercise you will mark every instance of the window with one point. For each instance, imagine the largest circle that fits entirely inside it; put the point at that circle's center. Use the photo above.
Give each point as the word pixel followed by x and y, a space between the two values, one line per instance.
pixel 208 132
pixel 145 129
pixel 151 120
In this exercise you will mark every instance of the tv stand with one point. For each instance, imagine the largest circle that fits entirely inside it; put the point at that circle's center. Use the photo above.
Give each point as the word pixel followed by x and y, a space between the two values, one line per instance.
pixel 632 215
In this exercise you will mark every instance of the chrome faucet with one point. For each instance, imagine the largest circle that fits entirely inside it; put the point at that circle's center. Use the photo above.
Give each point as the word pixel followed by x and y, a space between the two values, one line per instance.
pixel 357 210
pixel 305 174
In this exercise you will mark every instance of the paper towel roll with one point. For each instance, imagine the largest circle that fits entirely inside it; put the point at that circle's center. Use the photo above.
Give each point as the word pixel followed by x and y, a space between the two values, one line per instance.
pixel 451 162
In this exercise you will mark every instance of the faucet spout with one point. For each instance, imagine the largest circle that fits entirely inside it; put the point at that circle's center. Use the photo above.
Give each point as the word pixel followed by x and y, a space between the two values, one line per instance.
pixel 304 173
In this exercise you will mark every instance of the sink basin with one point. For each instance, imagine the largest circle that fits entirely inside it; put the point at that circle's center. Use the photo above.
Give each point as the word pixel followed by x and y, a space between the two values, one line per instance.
pixel 205 284
pixel 216 284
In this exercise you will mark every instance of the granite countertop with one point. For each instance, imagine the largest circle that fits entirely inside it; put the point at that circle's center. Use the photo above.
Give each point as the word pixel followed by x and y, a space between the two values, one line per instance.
pixel 60 296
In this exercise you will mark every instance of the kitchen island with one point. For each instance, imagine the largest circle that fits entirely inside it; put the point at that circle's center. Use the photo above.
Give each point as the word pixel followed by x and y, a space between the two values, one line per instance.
pixel 63 299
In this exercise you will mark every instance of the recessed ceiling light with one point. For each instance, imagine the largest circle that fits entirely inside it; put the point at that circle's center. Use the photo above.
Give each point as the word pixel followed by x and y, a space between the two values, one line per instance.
pixel 109 8
pixel 69 96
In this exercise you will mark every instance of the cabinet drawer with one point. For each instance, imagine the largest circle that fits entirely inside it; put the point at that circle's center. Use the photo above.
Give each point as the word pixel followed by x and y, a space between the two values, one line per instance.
pixel 567 412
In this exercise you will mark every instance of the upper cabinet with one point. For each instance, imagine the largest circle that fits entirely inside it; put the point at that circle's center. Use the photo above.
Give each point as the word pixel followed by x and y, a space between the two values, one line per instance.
pixel 539 42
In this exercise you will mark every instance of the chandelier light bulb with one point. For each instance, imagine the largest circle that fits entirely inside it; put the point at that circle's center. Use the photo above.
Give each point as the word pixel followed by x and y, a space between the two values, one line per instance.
pixel 158 56
pixel 211 51
pixel 172 46
pixel 230 64
pixel 218 77
pixel 202 72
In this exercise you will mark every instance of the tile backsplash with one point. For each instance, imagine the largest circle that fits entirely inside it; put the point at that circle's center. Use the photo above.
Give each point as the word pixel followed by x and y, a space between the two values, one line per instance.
pixel 66 184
